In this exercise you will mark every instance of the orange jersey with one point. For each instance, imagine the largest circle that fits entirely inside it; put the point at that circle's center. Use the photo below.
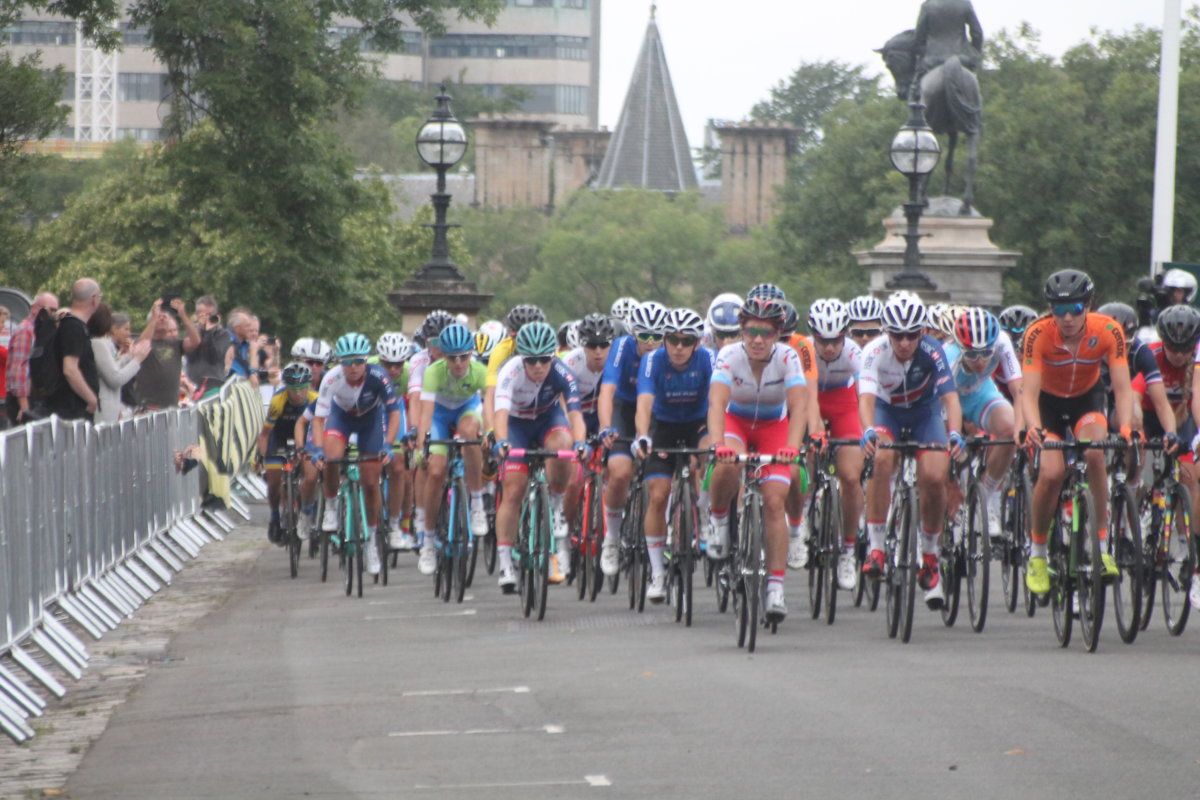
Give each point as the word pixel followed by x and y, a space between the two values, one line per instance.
pixel 1071 370
pixel 808 359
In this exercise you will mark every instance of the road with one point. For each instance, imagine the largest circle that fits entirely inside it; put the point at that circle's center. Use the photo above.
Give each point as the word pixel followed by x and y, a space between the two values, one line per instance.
pixel 290 689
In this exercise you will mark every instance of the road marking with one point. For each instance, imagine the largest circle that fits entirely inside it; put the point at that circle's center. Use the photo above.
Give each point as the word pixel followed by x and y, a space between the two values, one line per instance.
pixel 452 692
pixel 550 729
pixel 589 780
pixel 469 612
pixel 597 780
pixel 411 601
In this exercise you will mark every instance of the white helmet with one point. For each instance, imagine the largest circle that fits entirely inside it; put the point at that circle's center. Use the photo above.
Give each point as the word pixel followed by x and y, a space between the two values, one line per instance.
pixel 648 317
pixel 573 334
pixel 828 318
pixel 1180 279
pixel 301 347
pixel 933 313
pixel 684 321
pixel 393 347
pixel 903 313
pixel 307 348
pixel 495 329
pixel 865 308
pixel 622 308
pixel 462 319
pixel 945 321
pixel 723 313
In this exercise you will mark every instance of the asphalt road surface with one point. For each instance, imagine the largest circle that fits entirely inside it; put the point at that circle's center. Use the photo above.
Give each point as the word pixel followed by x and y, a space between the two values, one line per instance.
pixel 291 689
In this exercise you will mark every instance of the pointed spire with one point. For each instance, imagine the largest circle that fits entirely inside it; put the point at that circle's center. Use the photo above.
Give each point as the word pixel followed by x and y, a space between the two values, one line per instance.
pixel 649 148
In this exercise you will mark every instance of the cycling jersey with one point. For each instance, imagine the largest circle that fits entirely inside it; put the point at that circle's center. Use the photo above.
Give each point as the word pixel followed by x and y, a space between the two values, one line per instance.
pixel 919 381
pixel 764 399
pixel 587 381
pixel 283 414
pixel 447 391
pixel 1002 367
pixel 521 397
pixel 501 353
pixel 372 393
pixel 842 372
pixel 621 369
pixel 416 371
pixel 1070 371
pixel 808 359
pixel 1176 380
pixel 680 395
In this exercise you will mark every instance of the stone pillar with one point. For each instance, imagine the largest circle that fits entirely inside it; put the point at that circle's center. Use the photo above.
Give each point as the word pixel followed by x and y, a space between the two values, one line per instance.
pixel 754 161
pixel 418 296
pixel 577 158
pixel 512 163
pixel 956 253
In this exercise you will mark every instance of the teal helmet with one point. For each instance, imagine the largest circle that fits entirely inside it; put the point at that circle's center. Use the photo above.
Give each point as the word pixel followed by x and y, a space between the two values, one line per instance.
pixel 536 339
pixel 352 345
pixel 455 339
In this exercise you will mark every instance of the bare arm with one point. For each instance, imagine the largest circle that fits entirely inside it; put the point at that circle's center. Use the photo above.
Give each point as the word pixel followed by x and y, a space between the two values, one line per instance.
pixel 645 407
pixel 797 401
pixel 718 401
pixel 1123 393
pixel 604 404
pixel 953 408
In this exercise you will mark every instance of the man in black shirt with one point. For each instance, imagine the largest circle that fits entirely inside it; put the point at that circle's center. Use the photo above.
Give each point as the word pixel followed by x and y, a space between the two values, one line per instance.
pixel 208 365
pixel 76 395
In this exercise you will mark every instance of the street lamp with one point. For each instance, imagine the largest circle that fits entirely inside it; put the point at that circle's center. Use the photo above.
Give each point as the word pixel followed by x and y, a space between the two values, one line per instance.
pixel 441 143
pixel 915 153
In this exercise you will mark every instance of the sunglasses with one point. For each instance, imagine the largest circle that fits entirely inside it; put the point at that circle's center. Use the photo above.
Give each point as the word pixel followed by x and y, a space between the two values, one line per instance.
pixel 820 340
pixel 315 363
pixel 755 332
pixel 531 361
pixel 353 362
pixel 648 338
pixel 1063 309
pixel 724 337
pixel 681 341
pixel 861 333
pixel 596 345
pixel 1182 349
pixel 906 337
pixel 391 364
pixel 459 357
pixel 981 354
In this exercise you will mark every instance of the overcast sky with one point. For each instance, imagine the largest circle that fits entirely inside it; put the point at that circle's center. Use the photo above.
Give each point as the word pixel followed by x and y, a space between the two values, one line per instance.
pixel 724 56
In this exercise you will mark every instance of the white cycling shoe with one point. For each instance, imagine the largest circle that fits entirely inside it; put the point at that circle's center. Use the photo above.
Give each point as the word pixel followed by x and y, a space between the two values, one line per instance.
pixel 656 590
pixel 610 559
pixel 427 563
pixel 329 520
pixel 847 575
pixel 372 556
pixel 797 553
pixel 479 523
pixel 508 580
pixel 718 541
pixel 775 608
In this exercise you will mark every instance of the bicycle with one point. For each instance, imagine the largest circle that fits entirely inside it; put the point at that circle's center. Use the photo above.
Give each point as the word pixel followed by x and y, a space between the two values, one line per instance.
pixel 1014 540
pixel 535 541
pixel 825 531
pixel 351 537
pixel 1124 544
pixel 634 557
pixel 456 541
pixel 1169 549
pixel 491 501
pixel 289 511
pixel 683 530
pixel 588 536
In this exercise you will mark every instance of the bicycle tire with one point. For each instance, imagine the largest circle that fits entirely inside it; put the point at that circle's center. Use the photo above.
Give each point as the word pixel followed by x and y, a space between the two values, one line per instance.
pixel 977 558
pixel 814 533
pixel 831 547
pixel 1022 542
pixel 441 569
pixel 581 562
pixel 1179 566
pixel 384 550
pixel 1125 546
pixel 687 543
pixel 345 553
pixel 1062 582
pixel 911 552
pixel 545 552
pixel 635 545
pixel 891 577
pixel 1151 567
pixel 490 547
pixel 361 542
pixel 860 585
pixel 522 550
pixel 1092 586
pixel 950 569
pixel 752 564
pixel 460 551
pixel 291 524
pixel 596 539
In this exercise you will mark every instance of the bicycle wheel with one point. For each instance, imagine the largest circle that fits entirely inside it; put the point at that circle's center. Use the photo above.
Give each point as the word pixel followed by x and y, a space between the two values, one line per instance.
pixel 595 540
pixel 831 547
pixel 324 544
pixel 1062 585
pixel 380 541
pixel 1125 546
pixel 441 570
pixel 346 551
pixel 291 524
pixel 750 563
pixel 1013 524
pixel 543 551
pixel 814 534
pixel 977 558
pixel 891 572
pixel 950 568
pixel 1091 574
pixel 489 541
pixel 523 551
pixel 361 542
pixel 635 545
pixel 1151 536
pixel 911 558
pixel 860 556
pixel 1178 554
pixel 581 562
pixel 461 546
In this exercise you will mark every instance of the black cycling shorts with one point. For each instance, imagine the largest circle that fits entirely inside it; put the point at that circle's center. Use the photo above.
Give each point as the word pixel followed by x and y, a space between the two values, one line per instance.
pixel 623 419
pixel 672 435
pixel 1061 413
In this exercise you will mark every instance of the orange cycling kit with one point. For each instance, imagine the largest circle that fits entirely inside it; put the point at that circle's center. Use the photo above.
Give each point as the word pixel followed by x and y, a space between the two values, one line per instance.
pixel 1070 373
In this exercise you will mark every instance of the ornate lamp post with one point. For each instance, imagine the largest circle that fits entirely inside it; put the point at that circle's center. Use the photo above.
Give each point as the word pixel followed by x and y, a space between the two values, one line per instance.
pixel 915 153
pixel 441 143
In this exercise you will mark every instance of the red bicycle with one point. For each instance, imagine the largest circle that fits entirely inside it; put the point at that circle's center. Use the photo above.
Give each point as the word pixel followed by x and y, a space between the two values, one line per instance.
pixel 587 532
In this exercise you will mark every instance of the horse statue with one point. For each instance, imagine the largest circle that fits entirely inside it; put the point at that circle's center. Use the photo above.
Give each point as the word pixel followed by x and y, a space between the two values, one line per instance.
pixel 933 65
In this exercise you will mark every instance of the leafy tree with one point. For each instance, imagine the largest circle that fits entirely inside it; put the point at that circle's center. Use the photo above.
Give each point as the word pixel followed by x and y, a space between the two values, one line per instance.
pixel 29 102
pixel 504 251
pixel 810 93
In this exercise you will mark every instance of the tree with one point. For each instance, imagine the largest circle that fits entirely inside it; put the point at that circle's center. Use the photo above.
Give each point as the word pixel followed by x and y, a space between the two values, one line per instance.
pixel 810 93
pixel 504 248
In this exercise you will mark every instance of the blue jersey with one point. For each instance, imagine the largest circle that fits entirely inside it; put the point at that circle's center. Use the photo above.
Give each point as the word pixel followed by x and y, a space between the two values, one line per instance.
pixel 919 381
pixel 680 395
pixel 621 369
pixel 372 394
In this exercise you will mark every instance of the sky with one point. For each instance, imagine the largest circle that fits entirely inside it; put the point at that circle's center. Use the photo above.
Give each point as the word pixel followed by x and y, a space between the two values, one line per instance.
pixel 725 56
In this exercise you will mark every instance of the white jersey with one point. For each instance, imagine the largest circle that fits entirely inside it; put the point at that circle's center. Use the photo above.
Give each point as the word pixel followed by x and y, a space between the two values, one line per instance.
pixel 764 399
pixel 374 391
pixel 587 381
pixel 524 398
pixel 1003 364
pixel 842 372
pixel 416 370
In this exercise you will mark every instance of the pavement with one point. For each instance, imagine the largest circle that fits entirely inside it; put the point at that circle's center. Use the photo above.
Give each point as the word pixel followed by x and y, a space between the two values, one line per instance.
pixel 287 688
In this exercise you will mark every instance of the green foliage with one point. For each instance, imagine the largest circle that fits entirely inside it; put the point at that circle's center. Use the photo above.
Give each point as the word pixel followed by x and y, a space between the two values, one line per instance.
pixel 810 93
pixel 504 249
pixel 29 107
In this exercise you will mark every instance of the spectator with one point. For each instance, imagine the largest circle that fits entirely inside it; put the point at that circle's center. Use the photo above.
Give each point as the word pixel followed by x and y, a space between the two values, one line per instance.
pixel 157 383
pixel 240 330
pixel 272 384
pixel 208 366
pixel 3 385
pixel 111 338
pixel 5 325
pixel 77 394
pixel 20 346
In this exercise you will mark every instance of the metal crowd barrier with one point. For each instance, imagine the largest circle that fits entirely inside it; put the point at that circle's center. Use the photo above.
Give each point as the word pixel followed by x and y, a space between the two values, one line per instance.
pixel 94 520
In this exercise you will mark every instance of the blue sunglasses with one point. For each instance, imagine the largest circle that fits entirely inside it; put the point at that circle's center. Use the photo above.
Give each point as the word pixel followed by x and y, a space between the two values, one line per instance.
pixel 1063 309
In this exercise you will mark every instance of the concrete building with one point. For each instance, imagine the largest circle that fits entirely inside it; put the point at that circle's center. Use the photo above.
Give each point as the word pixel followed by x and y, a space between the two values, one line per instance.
pixel 754 159
pixel 548 48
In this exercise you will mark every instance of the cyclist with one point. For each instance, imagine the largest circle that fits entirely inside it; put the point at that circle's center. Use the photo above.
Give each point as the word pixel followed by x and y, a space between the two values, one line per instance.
pixel 904 379
pixel 722 321
pixel 285 409
pixel 356 399
pixel 838 362
pixel 617 408
pixel 1014 320
pixel 586 363
pixel 487 337
pixel 797 499
pixel 1179 286
pixel 621 312
pixel 518 316
pixel 866 313
pixel 451 406
pixel 1174 355
pixel 530 399
pixel 432 326
pixel 1062 357
pixel 315 353
pixel 672 411
pixel 757 403
pixel 394 352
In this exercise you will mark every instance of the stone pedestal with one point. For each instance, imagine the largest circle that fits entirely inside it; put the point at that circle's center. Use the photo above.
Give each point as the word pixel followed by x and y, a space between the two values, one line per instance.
pixel 957 254
pixel 420 295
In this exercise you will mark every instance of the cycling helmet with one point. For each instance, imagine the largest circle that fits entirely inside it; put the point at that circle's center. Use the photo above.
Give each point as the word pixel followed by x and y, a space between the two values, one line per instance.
pixel 418 339
pixel 486 341
pixel 767 290
pixel 946 320
pixel 1015 319
pixel 1124 314
pixel 622 308
pixel 352 345
pixel 392 347
pixel 791 319
pixel 648 317
pixel 297 375
pixel 1179 326
pixel 462 319
pixel 865 308
pixel 933 313
pixel 1069 286
pixel 903 313
pixel 976 329
pixel 522 315
pixel 595 329
pixel 684 321
pixel 301 347
pixel 434 324
pixel 764 308
pixel 536 339
pixel 828 318
pixel 723 313
pixel 1180 279
pixel 494 328
pixel 456 339
pixel 573 334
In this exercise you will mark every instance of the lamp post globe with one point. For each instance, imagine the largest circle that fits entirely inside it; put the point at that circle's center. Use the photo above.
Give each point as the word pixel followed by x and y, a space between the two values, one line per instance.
pixel 915 153
pixel 441 143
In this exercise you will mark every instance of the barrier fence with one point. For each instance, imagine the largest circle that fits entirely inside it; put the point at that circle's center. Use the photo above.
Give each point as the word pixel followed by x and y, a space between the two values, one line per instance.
pixel 94 520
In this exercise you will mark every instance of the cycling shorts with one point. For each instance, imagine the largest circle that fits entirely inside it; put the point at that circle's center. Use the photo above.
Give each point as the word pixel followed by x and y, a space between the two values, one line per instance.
pixel 766 437
pixel 370 429
pixel 923 423
pixel 1088 408
pixel 839 408
pixel 623 416
pixel 673 434
pixel 445 422
pixel 531 434
pixel 591 421
pixel 978 406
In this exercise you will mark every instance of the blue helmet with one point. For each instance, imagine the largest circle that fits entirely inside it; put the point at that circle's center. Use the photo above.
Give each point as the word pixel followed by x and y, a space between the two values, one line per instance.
pixel 455 339
pixel 352 345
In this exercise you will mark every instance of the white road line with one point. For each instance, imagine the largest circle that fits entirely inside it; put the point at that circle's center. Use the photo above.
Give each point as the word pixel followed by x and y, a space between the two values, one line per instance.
pixel 590 780
pixel 468 612
pixel 412 601
pixel 451 692
pixel 549 729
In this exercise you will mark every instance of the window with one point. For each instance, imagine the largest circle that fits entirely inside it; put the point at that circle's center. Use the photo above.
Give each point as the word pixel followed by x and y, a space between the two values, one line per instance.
pixel 541 98
pixel 574 3
pixel 533 3
pixel 68 93
pixel 38 32
pixel 138 37
pixel 141 87
pixel 411 40
pixel 487 45
pixel 141 134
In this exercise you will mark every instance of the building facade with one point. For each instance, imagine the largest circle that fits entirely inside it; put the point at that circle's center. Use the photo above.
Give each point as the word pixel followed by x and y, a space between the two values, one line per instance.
pixel 548 48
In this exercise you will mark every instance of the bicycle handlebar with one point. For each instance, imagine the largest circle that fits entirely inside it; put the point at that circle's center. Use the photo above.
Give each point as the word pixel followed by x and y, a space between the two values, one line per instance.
pixel 1103 444
pixel 521 452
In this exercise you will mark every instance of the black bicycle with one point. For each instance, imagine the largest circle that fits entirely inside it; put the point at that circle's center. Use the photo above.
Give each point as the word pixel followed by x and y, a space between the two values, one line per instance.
pixel 683 530
pixel 1124 543
pixel 1013 542
pixel 825 531
pixel 1169 549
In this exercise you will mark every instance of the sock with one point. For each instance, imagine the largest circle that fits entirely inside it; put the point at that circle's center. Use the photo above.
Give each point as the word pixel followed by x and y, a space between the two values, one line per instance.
pixel 990 485
pixel 612 523
pixel 504 551
pixel 275 515
pixel 428 538
pixel 929 542
pixel 877 533
pixel 420 517
pixel 1039 550
pixel 794 525
pixel 703 500
pixel 794 531
pixel 775 578
pixel 556 502
pixel 476 499
pixel 654 548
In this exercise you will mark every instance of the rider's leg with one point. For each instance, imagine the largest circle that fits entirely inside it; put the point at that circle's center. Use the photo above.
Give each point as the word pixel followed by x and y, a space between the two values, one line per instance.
pixel 372 495
pixel 658 491
pixel 932 469
pixel 998 421
pixel 616 492
pixel 849 474
pixel 515 478
pixel 435 481
pixel 1051 472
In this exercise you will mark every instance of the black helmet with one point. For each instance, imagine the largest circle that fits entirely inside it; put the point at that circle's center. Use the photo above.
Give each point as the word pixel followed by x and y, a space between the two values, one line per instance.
pixel 1179 326
pixel 1125 316
pixel 791 319
pixel 522 315
pixel 435 323
pixel 1069 286
pixel 1015 319
pixel 596 329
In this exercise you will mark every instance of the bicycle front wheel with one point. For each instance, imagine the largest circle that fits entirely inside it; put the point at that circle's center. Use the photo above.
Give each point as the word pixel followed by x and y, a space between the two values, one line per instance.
pixel 1177 551
pixel 750 552
pixel 595 538
pixel 909 558
pixel 977 558
pixel 489 541
pixel 1125 546
pixel 461 544
pixel 543 552
pixel 831 547
pixel 1091 573
pixel 814 534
